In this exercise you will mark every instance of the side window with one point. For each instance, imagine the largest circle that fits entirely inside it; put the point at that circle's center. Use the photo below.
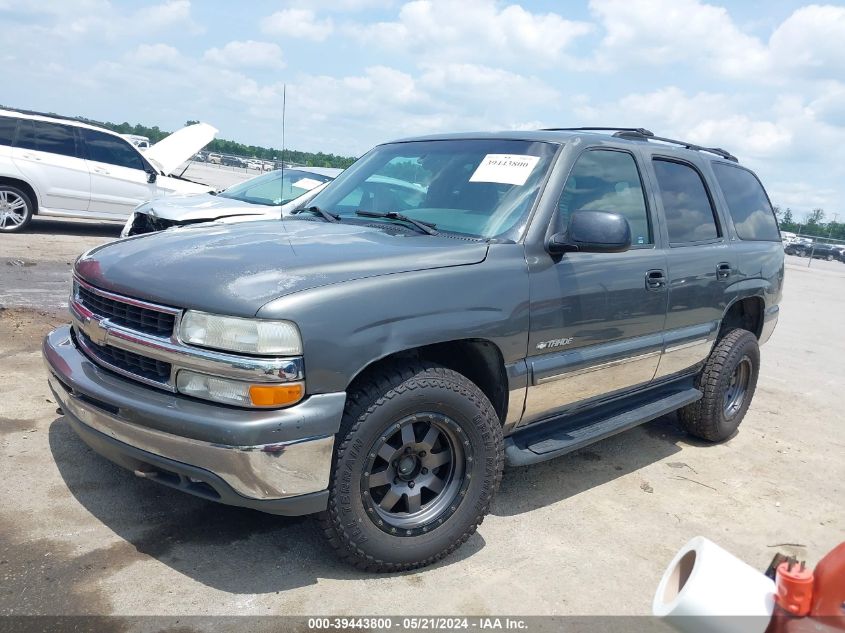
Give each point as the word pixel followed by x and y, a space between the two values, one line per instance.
pixel 748 204
pixel 7 130
pixel 689 213
pixel 42 136
pixel 605 180
pixel 105 148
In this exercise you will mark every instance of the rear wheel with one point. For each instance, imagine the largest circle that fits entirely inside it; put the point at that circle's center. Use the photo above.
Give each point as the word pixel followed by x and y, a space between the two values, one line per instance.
pixel 728 381
pixel 420 455
pixel 16 209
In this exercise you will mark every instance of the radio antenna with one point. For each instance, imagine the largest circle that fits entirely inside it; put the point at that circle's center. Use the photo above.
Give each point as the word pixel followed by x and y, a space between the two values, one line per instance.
pixel 282 179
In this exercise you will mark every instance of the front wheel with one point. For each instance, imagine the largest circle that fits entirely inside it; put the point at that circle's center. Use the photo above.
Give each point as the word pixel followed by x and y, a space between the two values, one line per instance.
pixel 420 455
pixel 727 382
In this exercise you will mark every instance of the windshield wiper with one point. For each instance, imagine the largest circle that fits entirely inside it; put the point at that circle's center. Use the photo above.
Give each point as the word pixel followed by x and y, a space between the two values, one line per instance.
pixel 328 217
pixel 425 227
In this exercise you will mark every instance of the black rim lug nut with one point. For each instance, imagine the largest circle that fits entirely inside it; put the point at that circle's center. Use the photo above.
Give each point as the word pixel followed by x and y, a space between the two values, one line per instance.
pixel 424 471
pixel 422 453
pixel 410 484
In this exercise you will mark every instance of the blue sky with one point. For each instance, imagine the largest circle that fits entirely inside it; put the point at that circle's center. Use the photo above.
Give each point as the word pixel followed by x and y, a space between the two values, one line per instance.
pixel 765 80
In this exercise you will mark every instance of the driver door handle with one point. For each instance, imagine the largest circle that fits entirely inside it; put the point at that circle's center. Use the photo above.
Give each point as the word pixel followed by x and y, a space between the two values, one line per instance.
pixel 655 280
pixel 100 170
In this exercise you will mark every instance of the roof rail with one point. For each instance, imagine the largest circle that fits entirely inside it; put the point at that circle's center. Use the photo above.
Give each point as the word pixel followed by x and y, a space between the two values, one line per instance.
pixel 642 134
pixel 641 131
pixel 44 114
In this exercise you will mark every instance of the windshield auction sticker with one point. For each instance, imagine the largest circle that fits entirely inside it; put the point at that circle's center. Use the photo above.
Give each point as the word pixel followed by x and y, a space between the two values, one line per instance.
pixel 508 169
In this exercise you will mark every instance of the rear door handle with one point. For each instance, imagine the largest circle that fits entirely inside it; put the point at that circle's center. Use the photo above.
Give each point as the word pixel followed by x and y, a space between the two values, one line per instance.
pixel 31 156
pixel 655 280
pixel 723 270
pixel 100 170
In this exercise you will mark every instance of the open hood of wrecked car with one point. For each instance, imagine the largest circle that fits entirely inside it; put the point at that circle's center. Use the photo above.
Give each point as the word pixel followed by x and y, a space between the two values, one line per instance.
pixel 175 149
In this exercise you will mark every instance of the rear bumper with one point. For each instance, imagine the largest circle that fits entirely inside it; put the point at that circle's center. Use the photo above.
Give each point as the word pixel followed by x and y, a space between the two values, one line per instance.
pixel 278 461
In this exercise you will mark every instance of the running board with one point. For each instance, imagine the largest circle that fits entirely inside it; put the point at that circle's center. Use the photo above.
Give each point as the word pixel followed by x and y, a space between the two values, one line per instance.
pixel 555 438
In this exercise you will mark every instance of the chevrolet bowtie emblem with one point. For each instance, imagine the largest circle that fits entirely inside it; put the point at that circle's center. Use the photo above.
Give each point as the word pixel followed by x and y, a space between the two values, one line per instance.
pixel 95 331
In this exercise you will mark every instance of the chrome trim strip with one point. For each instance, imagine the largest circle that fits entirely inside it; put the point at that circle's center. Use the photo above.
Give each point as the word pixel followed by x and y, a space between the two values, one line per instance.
pixel 92 354
pixel 592 368
pixel 267 471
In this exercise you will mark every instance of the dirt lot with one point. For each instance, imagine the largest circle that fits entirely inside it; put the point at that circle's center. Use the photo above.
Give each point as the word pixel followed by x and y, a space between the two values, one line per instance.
pixel 587 533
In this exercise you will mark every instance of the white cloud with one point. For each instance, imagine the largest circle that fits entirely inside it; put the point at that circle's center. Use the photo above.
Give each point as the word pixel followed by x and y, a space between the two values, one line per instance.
pixel 299 23
pixel 812 41
pixel 155 55
pixel 475 31
pixel 667 32
pixel 247 54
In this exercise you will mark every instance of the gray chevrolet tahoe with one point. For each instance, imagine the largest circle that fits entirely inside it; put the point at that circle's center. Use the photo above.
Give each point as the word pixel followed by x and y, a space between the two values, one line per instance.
pixel 377 357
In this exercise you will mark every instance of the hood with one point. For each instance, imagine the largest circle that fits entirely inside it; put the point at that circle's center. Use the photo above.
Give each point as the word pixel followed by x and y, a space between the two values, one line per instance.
pixel 176 148
pixel 235 269
pixel 202 206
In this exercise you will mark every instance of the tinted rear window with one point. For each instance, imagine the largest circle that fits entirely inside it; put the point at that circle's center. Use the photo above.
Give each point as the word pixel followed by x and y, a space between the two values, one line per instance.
pixel 7 130
pixel 689 214
pixel 42 136
pixel 750 209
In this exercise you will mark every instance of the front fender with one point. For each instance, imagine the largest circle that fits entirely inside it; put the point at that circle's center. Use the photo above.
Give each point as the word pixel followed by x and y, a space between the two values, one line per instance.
pixel 348 326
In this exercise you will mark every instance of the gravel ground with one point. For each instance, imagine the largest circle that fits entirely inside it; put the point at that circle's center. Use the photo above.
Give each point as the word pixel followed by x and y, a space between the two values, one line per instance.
pixel 587 533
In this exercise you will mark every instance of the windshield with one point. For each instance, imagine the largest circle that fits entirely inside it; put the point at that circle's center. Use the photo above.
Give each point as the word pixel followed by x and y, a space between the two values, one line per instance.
pixel 272 190
pixel 475 187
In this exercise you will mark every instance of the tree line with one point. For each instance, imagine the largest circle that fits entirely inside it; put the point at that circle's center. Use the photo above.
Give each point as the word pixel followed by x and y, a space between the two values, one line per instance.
pixel 224 146
pixel 813 226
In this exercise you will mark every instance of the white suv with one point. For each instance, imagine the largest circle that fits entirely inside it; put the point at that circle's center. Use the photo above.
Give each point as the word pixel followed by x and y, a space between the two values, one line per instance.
pixel 62 167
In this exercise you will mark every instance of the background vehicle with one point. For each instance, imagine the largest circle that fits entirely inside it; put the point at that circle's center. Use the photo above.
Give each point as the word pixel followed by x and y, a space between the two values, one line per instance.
pixel 216 159
pixel 250 198
pixel 61 167
pixel 818 250
pixel 379 355
pixel 141 142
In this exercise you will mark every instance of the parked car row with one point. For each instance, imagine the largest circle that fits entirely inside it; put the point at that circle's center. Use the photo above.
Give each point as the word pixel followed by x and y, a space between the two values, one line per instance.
pixel 816 250
pixel 235 161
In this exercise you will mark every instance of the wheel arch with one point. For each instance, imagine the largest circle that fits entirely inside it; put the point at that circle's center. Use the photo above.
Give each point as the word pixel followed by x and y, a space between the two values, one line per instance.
pixel 745 312
pixel 479 360
pixel 24 186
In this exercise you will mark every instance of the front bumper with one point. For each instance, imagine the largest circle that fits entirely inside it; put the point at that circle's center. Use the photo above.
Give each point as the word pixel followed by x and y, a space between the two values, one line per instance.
pixel 278 461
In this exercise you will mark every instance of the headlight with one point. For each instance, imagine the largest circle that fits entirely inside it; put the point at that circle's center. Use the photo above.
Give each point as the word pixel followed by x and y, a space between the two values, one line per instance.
pixel 236 392
pixel 234 334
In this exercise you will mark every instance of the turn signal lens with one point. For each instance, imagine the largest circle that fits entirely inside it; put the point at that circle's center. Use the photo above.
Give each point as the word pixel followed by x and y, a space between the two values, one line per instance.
pixel 237 392
pixel 275 395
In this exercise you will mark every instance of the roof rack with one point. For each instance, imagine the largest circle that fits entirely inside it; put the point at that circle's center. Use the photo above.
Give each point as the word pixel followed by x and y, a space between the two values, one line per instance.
pixel 641 131
pixel 642 134
pixel 44 114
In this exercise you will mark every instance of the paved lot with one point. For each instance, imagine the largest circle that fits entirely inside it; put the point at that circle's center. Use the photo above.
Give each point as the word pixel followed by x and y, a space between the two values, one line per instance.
pixel 587 533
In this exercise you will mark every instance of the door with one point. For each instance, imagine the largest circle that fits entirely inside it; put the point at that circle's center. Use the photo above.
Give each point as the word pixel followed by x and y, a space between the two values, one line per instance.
pixel 49 157
pixel 701 265
pixel 118 176
pixel 596 318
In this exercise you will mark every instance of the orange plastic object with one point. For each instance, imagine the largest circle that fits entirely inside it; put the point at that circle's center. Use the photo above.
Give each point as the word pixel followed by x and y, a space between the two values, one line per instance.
pixel 794 588
pixel 829 586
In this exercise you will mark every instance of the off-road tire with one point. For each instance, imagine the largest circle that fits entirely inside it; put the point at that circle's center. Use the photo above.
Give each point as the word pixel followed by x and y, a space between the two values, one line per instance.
pixel 372 409
pixel 706 417
pixel 17 194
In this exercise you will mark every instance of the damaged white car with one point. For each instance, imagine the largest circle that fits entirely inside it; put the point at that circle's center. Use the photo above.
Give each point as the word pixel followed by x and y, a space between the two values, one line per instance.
pixel 248 199
pixel 54 166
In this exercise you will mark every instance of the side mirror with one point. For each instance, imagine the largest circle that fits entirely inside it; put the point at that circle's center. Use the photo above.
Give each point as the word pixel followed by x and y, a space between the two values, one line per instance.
pixel 151 177
pixel 592 232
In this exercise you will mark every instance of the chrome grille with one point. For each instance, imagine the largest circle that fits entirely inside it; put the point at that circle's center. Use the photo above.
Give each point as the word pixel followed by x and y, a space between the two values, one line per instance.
pixel 131 316
pixel 126 361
